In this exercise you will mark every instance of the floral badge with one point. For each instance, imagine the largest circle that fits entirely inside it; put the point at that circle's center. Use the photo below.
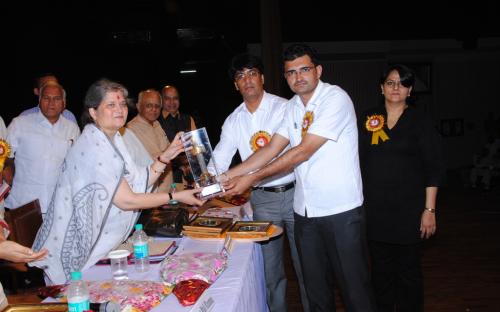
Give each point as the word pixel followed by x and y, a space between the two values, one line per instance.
pixel 4 152
pixel 306 122
pixel 375 124
pixel 259 140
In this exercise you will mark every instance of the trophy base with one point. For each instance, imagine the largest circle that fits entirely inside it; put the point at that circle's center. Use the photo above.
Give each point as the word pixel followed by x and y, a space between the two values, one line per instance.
pixel 211 191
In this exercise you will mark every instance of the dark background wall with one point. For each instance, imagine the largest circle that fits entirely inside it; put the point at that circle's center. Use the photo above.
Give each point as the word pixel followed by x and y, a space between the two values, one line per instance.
pixel 144 44
pixel 456 86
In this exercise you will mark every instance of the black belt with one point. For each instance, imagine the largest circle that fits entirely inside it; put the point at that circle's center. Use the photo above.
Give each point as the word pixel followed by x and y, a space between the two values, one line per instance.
pixel 275 189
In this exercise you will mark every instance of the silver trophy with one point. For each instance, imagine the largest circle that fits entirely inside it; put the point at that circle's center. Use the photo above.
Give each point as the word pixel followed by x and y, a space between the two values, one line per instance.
pixel 199 154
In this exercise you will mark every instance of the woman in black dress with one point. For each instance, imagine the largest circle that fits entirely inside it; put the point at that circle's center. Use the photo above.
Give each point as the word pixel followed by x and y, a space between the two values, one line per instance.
pixel 402 168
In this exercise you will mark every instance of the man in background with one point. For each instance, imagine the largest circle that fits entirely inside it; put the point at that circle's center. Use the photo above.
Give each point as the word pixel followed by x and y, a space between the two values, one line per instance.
pixel 149 131
pixel 39 142
pixel 173 121
pixel 39 82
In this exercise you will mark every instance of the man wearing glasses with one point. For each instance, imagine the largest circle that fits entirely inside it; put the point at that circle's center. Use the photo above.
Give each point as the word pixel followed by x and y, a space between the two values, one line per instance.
pixel 320 125
pixel 148 130
pixel 247 129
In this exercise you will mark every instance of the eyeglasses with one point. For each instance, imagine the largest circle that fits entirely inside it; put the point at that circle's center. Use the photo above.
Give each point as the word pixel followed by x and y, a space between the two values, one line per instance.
pixel 393 84
pixel 302 71
pixel 151 105
pixel 248 73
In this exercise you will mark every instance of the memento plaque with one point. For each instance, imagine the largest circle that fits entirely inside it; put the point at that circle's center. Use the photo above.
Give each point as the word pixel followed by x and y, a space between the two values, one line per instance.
pixel 199 154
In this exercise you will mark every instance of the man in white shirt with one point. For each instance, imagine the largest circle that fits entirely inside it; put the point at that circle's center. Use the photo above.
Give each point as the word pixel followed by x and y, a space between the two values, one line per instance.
pixel 248 128
pixel 39 82
pixel 39 143
pixel 320 125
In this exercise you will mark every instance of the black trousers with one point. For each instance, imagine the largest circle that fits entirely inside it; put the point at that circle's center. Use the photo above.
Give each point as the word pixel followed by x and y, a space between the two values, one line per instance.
pixel 335 242
pixel 397 277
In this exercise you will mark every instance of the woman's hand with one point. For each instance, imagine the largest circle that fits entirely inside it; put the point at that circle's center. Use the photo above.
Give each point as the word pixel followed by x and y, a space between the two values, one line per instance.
pixel 174 149
pixel 189 197
pixel 427 224
pixel 14 252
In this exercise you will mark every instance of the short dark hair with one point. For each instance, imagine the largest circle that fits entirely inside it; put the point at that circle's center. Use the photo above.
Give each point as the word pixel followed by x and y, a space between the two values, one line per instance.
pixel 244 60
pixel 406 75
pixel 298 50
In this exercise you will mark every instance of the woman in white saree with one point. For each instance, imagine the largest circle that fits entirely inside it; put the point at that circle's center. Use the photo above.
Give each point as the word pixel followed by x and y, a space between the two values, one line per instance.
pixel 100 190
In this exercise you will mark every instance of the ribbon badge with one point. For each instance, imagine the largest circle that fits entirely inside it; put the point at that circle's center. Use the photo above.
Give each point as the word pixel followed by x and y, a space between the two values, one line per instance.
pixel 306 122
pixel 4 152
pixel 259 140
pixel 375 124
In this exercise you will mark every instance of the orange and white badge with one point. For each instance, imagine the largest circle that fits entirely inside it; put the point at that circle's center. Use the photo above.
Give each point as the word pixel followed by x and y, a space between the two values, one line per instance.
pixel 259 140
pixel 4 152
pixel 375 124
pixel 306 122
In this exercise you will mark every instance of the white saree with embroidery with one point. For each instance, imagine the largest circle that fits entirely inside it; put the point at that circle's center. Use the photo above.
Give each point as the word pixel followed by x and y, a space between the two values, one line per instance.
pixel 82 225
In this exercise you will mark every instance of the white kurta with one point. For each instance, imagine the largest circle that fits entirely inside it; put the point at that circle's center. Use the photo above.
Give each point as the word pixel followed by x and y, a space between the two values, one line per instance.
pixel 39 148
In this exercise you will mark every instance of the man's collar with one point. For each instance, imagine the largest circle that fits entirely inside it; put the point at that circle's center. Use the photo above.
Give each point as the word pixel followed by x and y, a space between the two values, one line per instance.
pixel 263 105
pixel 310 105
pixel 175 115
pixel 144 120
pixel 42 119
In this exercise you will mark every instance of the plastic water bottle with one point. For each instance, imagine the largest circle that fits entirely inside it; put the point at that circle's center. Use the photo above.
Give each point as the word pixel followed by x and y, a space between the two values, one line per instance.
pixel 141 249
pixel 78 294
pixel 173 189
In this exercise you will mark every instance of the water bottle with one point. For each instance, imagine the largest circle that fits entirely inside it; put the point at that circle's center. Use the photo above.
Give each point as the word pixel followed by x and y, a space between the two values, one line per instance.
pixel 141 249
pixel 78 294
pixel 173 189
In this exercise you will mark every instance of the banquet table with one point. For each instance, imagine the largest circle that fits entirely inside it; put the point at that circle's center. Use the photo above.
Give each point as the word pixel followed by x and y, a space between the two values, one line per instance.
pixel 241 287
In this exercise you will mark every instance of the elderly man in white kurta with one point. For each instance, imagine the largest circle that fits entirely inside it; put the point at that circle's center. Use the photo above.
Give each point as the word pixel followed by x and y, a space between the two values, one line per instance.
pixel 39 143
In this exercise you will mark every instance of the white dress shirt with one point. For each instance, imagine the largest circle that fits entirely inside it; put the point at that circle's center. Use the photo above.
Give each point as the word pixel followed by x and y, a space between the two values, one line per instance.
pixel 239 128
pixel 39 148
pixel 329 182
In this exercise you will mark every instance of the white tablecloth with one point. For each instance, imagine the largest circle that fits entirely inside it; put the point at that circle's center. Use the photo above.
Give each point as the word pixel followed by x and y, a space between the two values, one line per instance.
pixel 241 287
